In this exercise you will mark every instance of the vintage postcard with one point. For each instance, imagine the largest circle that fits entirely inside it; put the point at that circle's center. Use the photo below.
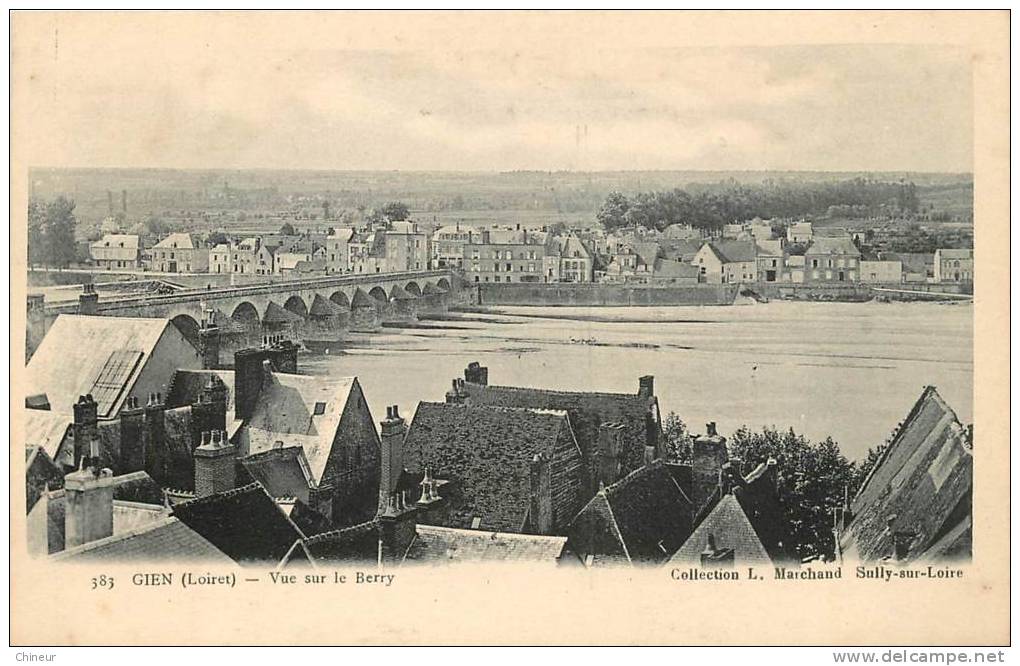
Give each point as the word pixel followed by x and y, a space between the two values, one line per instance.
pixel 553 328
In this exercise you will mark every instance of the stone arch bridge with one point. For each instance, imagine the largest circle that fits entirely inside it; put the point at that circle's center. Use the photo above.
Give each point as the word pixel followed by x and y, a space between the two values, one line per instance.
pixel 306 308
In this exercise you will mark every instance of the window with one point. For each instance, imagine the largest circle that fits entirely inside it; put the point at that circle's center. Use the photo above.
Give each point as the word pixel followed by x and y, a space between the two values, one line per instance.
pixel 320 409
pixel 814 264
pixel 476 278
pixel 509 268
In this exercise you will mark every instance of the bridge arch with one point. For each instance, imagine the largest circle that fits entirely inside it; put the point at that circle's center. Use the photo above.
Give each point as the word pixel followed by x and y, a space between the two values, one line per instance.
pixel 413 288
pixel 188 327
pixel 246 316
pixel 443 284
pixel 379 294
pixel 296 305
pixel 340 298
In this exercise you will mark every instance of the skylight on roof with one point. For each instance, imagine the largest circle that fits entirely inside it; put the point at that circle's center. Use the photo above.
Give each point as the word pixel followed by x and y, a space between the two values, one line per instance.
pixel 112 379
pixel 320 409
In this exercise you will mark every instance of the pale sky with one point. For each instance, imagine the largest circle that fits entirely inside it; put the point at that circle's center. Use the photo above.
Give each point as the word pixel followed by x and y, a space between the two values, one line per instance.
pixel 137 96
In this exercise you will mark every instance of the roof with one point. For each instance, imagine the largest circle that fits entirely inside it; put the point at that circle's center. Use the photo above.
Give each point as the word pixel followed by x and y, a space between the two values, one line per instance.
pixel 832 245
pixel 921 484
pixel 642 518
pixel 442 545
pixel 647 250
pixel 730 527
pixel 179 241
pixel 244 523
pixel 163 540
pixel 283 472
pixel 730 252
pixel 486 454
pixel 186 386
pixel 83 354
pixel 286 412
pixel 955 253
pixel 771 248
pixel 668 268
pixel 46 429
pixel 342 234
pixel 130 241
pixel 570 245
pixel 587 410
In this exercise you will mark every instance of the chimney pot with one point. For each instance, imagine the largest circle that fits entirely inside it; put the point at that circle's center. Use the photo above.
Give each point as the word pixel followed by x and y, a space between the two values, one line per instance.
pixel 710 428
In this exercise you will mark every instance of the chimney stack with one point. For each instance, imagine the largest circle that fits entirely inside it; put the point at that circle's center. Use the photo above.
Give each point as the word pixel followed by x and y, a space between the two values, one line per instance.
pixel 392 429
pixel 209 341
pixel 214 464
pixel 397 528
pixel 457 395
pixel 610 453
pixel 88 300
pixel 88 502
pixel 210 412
pixel 646 386
pixel 85 428
pixel 476 373
pixel 541 513
pixel 709 455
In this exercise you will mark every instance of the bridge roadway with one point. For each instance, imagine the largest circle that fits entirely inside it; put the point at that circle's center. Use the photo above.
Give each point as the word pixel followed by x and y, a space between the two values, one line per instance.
pixel 246 307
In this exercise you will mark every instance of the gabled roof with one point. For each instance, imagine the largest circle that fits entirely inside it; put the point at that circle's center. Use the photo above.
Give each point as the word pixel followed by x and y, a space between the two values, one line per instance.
pixel 667 268
pixel 103 356
pixel 486 454
pixel 341 233
pixel 587 410
pixel 46 429
pixel 286 411
pixel 283 472
pixel 178 241
pixel 643 518
pixel 130 241
pixel 921 484
pixel 730 252
pixel 730 527
pixel 244 523
pixel 570 245
pixel 444 545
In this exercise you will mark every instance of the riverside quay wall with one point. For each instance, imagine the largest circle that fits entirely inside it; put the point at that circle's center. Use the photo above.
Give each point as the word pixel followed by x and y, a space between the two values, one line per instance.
pixel 603 294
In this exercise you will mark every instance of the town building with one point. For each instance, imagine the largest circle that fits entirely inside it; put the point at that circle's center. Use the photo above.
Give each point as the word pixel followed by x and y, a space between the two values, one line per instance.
pixel 954 265
pixel 832 259
pixel 449 245
pixel 487 262
pixel 771 259
pixel 877 271
pixel 179 253
pixel 576 262
pixel 219 259
pixel 727 262
pixel 916 503
pixel 800 233
pixel 405 249
pixel 115 251
pixel 338 256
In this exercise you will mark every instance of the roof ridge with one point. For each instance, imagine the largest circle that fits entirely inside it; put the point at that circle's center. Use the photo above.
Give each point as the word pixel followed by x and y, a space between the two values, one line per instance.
pixel 632 476
pixel 556 391
pixel 325 536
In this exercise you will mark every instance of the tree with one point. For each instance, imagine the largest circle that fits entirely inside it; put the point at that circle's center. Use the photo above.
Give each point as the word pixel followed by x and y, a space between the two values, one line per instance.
pixel 36 233
pixel 155 226
pixel 216 238
pixel 613 211
pixel 396 211
pixel 287 229
pixel 59 232
pixel 677 440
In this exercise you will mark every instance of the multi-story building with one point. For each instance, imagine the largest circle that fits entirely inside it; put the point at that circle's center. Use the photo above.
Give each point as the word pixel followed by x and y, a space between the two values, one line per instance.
pixel 116 251
pixel 834 259
pixel 886 271
pixel 499 262
pixel 727 262
pixel 800 233
pixel 771 261
pixel 178 253
pixel 953 265
pixel 219 259
pixel 448 244
pixel 576 262
pixel 405 249
pixel 338 258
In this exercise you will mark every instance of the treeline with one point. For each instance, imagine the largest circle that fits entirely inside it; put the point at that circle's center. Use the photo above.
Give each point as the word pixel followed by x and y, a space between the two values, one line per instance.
pixel 51 232
pixel 813 478
pixel 711 208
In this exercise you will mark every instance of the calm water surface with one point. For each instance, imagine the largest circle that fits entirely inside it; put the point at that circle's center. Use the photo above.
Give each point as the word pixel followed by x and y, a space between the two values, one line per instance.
pixel 849 370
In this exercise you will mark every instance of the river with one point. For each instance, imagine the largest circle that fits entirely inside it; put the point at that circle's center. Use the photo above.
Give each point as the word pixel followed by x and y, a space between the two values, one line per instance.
pixel 847 370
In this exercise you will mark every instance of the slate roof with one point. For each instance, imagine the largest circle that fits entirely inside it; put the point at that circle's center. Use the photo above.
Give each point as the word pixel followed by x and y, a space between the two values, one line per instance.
pixel 178 241
pixel 648 251
pixel 841 245
pixel 667 268
pixel 485 453
pixel 921 484
pixel 587 411
pixel 77 348
pixel 643 518
pixel 680 250
pixel 956 253
pixel 443 545
pixel 166 540
pixel 245 523
pixel 187 385
pixel 734 251
pixel 283 472
pixel 731 528
pixel 358 543
pixel 286 411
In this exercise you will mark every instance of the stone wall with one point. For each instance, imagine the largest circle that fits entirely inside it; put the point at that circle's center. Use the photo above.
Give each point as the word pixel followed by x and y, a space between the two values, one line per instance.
pixel 602 294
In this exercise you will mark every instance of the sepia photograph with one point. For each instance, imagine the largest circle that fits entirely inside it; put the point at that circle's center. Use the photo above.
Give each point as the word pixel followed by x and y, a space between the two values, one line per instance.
pixel 379 300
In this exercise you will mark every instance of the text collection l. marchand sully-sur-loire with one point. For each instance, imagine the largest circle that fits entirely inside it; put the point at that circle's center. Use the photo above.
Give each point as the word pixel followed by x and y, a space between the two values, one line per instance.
pixel 879 572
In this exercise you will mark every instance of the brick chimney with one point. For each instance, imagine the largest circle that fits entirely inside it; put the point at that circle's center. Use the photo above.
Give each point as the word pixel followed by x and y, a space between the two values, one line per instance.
pixel 610 453
pixel 476 373
pixel 540 514
pixel 85 428
pixel 157 463
pixel 209 341
pixel 646 386
pixel 134 436
pixel 88 501
pixel 397 525
pixel 210 412
pixel 215 461
pixel 709 455
pixel 88 300
pixel 392 432
pixel 457 395
pixel 248 378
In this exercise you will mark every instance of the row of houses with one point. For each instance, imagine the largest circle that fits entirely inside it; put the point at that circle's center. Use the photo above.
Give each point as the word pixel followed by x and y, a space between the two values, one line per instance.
pixel 140 446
